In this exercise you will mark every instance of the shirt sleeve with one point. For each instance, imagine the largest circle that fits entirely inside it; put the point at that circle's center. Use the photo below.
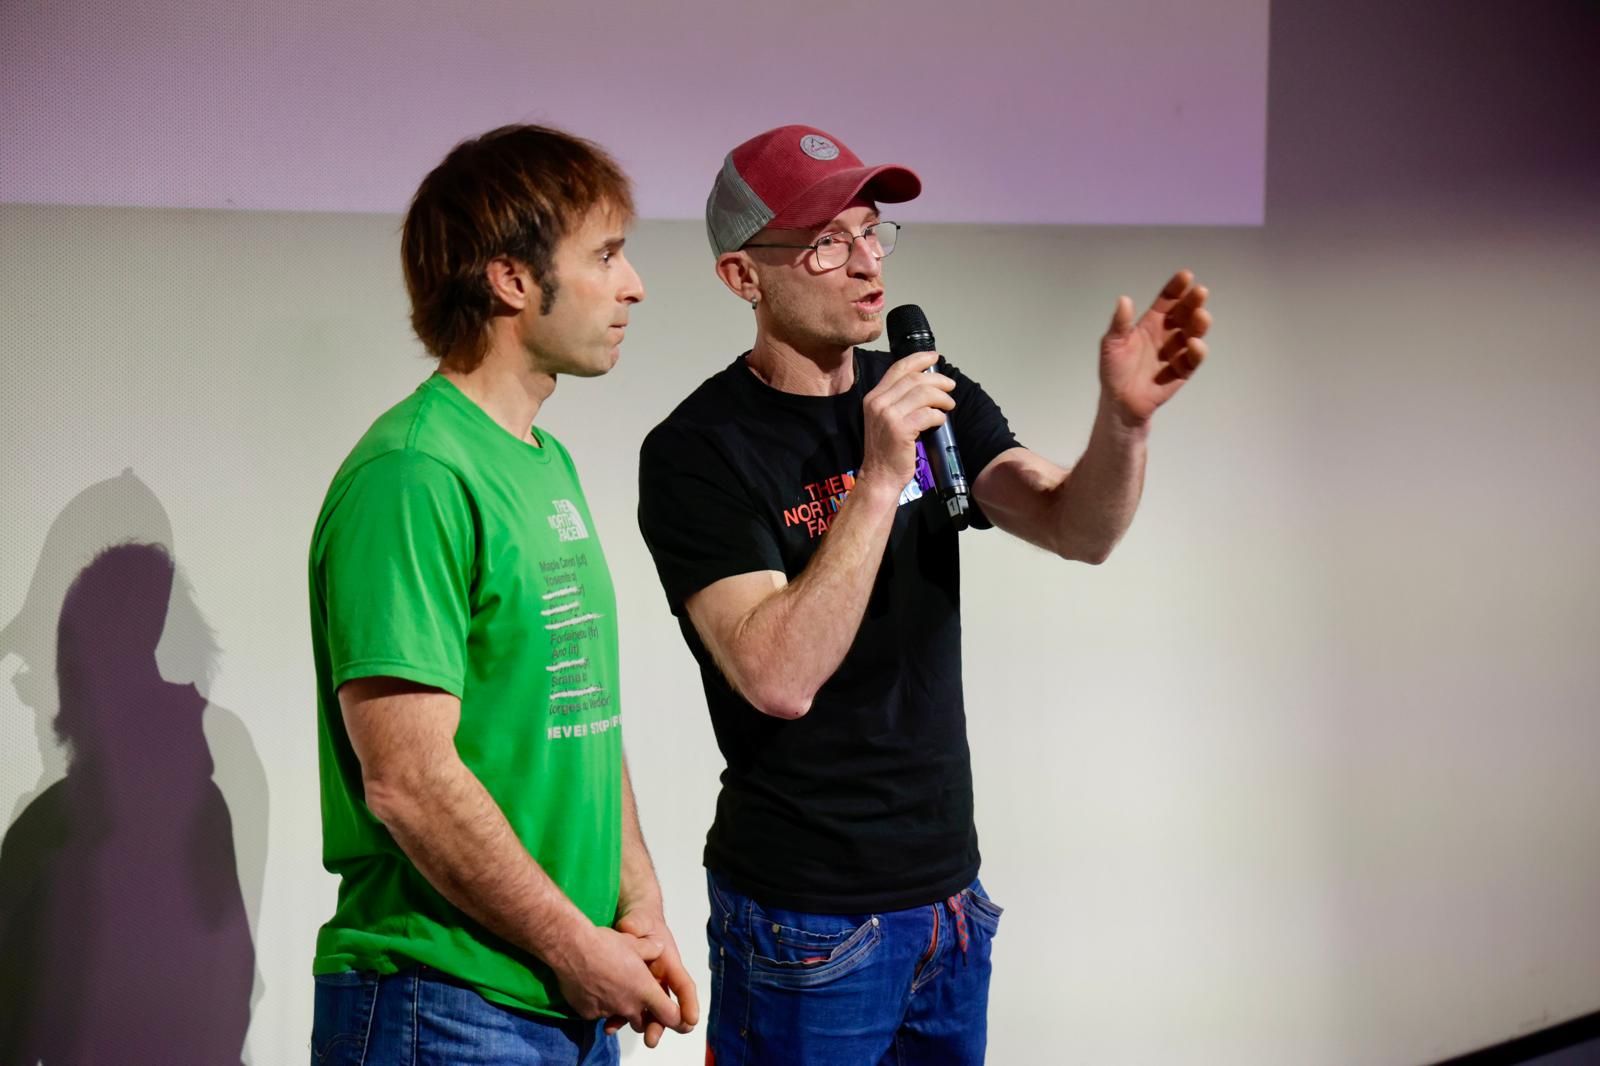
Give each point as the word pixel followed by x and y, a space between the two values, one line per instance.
pixel 698 521
pixel 396 568
pixel 982 433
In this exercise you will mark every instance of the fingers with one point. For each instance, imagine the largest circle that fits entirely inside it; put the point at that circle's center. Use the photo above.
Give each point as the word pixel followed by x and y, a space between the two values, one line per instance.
pixel 916 401
pixel 1184 321
pixel 674 981
pixel 911 364
pixel 1189 313
pixel 648 948
pixel 659 1005
pixel 629 991
pixel 681 985
pixel 1181 351
pixel 1187 321
pixel 909 375
pixel 1182 356
pixel 906 403
pixel 1121 318
pixel 1177 285
pixel 1173 292
pixel 915 390
pixel 916 411
pixel 671 1001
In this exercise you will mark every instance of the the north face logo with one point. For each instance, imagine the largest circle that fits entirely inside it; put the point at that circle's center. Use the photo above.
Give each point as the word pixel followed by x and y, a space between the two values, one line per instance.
pixel 567 522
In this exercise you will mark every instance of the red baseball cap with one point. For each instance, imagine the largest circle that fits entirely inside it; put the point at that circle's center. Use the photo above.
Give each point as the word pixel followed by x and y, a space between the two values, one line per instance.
pixel 794 177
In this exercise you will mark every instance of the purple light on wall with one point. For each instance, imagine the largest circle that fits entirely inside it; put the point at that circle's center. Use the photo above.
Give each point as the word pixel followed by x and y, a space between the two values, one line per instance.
pixel 1014 111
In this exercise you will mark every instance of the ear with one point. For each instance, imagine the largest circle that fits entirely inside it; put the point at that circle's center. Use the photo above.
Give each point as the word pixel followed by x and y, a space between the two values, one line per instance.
pixel 738 272
pixel 510 282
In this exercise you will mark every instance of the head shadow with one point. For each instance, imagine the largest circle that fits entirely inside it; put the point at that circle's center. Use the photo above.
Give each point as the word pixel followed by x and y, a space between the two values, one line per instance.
pixel 123 916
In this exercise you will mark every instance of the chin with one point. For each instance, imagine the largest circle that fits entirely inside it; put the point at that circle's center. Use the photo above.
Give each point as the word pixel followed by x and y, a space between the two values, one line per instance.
pixel 870 330
pixel 599 366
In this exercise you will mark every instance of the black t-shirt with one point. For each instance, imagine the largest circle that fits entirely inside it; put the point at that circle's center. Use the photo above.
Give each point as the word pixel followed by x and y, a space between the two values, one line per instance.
pixel 864 803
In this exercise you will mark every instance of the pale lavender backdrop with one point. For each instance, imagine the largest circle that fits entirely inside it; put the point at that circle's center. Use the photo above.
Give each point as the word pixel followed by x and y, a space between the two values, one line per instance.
pixel 1149 112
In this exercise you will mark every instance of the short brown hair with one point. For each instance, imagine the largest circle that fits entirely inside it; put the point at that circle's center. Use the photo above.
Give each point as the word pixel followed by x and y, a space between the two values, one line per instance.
pixel 515 192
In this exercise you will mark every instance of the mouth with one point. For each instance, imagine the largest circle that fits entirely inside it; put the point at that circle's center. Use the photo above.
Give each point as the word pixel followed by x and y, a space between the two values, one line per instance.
pixel 871 303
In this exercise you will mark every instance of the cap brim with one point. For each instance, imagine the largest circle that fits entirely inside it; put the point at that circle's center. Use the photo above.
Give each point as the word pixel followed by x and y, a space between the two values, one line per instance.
pixel 821 204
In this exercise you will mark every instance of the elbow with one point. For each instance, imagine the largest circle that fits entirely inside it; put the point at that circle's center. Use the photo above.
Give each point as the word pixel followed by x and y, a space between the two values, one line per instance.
pixel 1093 550
pixel 1077 551
pixel 775 697
pixel 788 709
pixel 764 687
pixel 778 702
pixel 391 800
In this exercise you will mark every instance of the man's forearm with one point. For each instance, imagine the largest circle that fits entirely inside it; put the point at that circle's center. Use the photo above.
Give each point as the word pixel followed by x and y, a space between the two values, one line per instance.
pixel 1094 505
pixel 1077 512
pixel 791 642
pixel 455 834
pixel 639 889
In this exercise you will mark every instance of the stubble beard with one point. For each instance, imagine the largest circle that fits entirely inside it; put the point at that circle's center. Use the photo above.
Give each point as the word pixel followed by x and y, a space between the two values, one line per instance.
pixel 806 323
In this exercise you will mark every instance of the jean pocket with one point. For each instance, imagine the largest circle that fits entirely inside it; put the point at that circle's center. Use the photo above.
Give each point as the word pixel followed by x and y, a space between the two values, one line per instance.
pixel 724 901
pixel 792 950
pixel 982 910
pixel 342 1017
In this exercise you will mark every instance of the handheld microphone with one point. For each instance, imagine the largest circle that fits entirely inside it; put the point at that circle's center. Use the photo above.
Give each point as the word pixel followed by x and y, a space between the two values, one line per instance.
pixel 909 333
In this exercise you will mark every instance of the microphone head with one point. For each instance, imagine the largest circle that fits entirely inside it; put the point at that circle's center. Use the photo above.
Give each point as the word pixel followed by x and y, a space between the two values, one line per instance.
pixel 909 331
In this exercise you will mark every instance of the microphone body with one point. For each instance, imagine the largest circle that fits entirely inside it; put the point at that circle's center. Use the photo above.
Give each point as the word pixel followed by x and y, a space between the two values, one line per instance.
pixel 909 333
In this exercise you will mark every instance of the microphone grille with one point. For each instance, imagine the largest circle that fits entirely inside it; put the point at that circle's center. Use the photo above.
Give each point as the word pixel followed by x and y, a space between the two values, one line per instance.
pixel 909 331
pixel 907 318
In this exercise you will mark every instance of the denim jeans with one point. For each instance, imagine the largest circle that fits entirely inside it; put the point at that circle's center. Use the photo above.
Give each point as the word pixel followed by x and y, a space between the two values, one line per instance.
pixel 890 989
pixel 421 1017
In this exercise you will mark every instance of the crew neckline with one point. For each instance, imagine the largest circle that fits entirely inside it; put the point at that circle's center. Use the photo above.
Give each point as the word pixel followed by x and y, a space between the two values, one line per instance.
pixel 440 385
pixel 741 367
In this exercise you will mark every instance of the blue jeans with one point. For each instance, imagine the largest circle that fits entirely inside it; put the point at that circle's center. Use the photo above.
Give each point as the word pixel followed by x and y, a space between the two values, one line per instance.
pixel 421 1017
pixel 890 989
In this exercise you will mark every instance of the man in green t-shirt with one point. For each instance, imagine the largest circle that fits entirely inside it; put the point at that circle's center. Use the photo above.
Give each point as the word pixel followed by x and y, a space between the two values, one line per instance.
pixel 496 901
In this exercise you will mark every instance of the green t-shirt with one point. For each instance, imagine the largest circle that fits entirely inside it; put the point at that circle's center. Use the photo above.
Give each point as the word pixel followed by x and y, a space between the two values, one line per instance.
pixel 452 554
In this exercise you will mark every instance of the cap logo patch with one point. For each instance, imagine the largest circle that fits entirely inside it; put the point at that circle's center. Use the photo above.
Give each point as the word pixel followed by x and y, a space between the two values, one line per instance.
pixel 819 147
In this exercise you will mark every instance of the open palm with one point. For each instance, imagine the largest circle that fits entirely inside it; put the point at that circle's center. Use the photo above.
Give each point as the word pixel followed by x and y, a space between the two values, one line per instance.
pixel 1144 363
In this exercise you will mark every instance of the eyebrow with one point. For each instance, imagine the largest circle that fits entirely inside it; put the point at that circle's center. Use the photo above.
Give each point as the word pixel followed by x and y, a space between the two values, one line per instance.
pixel 611 244
pixel 838 223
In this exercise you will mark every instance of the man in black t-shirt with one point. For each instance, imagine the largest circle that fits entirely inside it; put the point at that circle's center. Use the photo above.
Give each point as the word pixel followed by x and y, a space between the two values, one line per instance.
pixel 815 577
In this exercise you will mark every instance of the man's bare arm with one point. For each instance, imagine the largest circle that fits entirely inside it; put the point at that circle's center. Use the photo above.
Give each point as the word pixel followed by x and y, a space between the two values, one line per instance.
pixel 778 641
pixel 446 822
pixel 640 913
pixel 1081 513
pixel 639 885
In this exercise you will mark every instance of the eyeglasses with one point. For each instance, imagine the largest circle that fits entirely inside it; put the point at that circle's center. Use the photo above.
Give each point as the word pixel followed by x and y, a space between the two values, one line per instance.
pixel 832 250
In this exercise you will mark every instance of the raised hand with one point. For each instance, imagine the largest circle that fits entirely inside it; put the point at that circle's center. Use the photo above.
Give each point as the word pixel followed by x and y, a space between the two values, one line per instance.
pixel 1144 363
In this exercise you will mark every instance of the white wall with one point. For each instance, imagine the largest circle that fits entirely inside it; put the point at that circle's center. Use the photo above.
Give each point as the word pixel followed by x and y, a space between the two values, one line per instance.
pixel 1305 773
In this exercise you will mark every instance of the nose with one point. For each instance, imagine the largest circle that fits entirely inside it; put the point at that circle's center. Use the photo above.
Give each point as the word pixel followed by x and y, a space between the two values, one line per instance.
pixel 632 290
pixel 862 263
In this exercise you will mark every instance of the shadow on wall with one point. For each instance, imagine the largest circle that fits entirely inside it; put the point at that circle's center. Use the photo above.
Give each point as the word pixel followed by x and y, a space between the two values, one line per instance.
pixel 128 891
